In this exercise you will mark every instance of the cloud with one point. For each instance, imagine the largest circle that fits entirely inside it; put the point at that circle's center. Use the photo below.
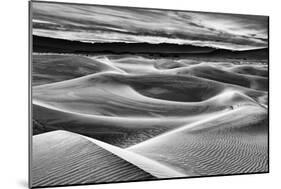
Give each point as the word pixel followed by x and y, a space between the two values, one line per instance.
pixel 132 25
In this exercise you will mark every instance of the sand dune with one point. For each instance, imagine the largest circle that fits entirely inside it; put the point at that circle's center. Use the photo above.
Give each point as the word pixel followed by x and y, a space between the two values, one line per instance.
pixel 61 158
pixel 251 70
pixel 119 131
pixel 150 117
pixel 224 76
pixel 112 93
pixel 116 130
pixel 233 142
pixel 123 108
pixel 150 166
pixel 50 68
pixel 123 130
pixel 71 154
pixel 131 65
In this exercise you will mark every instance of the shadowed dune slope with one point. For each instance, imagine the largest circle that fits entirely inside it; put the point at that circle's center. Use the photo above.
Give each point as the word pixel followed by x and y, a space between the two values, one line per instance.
pixel 223 76
pixel 64 158
pixel 251 70
pixel 117 131
pixel 50 68
pixel 230 143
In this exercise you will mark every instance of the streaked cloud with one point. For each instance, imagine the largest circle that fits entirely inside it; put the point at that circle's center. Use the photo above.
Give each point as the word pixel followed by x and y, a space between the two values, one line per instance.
pixel 132 25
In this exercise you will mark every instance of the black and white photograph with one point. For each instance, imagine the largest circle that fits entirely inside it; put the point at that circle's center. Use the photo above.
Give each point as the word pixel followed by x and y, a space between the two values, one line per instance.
pixel 123 94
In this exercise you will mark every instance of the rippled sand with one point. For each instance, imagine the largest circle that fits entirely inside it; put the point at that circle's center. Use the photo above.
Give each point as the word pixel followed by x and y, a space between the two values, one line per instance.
pixel 63 158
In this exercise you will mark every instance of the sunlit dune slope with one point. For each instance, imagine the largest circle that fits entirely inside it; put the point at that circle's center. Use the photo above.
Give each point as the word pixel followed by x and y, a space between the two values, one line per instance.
pixel 150 166
pixel 228 143
pixel 61 158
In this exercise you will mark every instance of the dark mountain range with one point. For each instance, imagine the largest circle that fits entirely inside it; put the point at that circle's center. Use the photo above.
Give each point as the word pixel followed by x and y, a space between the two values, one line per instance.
pixel 54 45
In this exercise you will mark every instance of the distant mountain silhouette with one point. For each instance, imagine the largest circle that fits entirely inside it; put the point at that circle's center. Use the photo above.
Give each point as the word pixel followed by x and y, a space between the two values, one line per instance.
pixel 62 45
pixel 246 54
pixel 47 44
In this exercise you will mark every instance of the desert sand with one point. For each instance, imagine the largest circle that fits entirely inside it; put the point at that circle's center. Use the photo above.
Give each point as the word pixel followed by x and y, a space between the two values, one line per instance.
pixel 148 117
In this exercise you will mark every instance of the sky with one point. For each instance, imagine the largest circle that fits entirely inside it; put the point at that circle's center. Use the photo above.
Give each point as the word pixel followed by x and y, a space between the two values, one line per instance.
pixel 106 24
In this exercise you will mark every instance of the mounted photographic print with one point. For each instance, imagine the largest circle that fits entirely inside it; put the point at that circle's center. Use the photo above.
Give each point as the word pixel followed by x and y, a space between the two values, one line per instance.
pixel 121 94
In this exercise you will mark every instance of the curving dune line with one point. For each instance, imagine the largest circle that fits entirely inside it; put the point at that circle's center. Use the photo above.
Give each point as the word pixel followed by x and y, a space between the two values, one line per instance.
pixel 61 158
pixel 189 126
pixel 51 68
pixel 230 143
pixel 205 70
pixel 123 130
pixel 135 65
pixel 107 62
pixel 250 70
pixel 110 94
pixel 119 131
pixel 102 106
pixel 155 83
pixel 150 166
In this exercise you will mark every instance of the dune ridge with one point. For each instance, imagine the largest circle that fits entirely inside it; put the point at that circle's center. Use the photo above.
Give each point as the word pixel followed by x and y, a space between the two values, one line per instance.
pixel 61 158
pixel 150 166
